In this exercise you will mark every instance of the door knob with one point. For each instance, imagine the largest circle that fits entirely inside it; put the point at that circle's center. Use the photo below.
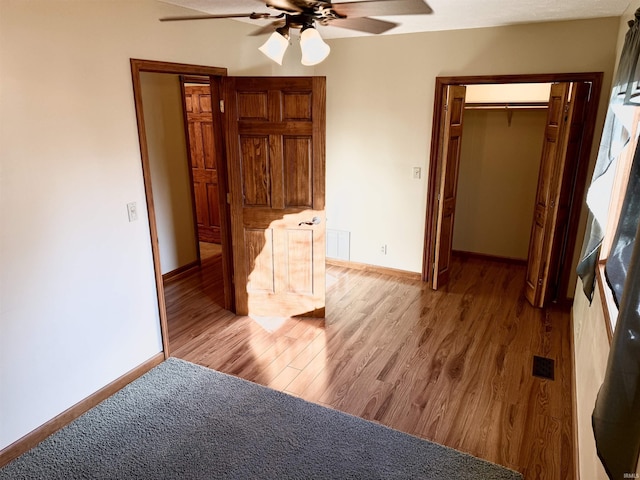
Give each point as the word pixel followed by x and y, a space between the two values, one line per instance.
pixel 314 221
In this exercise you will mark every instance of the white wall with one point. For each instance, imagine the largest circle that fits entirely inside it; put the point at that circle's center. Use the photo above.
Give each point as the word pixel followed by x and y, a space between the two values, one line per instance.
pixel 169 165
pixel 379 112
pixel 78 304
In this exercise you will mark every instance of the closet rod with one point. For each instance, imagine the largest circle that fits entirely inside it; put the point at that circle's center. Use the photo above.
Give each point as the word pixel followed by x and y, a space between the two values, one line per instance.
pixel 505 105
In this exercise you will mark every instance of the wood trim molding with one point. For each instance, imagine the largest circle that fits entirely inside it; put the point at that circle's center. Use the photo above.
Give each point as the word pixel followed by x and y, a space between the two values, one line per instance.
pixel 609 308
pixel 31 439
pixel 373 268
pixel 491 258
pixel 176 68
pixel 180 270
pixel 223 190
pixel 574 406
pixel 187 138
pixel 521 78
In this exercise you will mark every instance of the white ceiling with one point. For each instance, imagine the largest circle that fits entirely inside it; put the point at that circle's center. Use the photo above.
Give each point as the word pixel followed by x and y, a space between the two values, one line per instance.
pixel 448 14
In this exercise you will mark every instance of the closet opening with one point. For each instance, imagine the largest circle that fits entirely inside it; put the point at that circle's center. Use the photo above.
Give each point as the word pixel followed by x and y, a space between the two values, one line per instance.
pixel 511 186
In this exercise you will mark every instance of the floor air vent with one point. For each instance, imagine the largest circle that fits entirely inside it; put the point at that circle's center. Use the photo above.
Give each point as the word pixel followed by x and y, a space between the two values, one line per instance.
pixel 543 367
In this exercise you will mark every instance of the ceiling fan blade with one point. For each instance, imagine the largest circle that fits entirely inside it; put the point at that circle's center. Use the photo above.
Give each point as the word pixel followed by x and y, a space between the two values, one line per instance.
pixel 382 8
pixel 207 17
pixel 268 28
pixel 364 24
pixel 291 6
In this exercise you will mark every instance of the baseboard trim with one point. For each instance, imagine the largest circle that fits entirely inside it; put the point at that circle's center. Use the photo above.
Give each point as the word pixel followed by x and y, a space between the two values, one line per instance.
pixel 575 451
pixel 180 270
pixel 34 437
pixel 492 258
pixel 374 268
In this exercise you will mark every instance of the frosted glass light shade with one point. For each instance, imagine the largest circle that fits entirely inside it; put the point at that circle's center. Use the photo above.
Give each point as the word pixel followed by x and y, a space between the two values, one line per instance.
pixel 314 50
pixel 274 47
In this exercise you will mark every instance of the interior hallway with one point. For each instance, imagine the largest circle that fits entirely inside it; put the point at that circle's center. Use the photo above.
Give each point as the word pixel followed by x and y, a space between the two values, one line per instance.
pixel 452 366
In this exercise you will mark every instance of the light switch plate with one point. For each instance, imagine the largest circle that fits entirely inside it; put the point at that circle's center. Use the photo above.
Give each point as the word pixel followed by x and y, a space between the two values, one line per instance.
pixel 132 211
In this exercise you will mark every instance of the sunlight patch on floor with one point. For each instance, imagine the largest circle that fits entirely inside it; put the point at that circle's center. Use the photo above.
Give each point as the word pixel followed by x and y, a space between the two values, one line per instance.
pixel 331 280
pixel 270 324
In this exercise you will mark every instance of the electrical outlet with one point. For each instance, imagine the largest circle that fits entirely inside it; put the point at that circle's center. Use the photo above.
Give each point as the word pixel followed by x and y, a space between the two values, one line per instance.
pixel 132 211
pixel 383 249
pixel 417 173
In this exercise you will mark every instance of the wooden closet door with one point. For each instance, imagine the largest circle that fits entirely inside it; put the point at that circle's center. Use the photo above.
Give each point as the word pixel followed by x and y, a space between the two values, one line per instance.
pixel 448 184
pixel 550 180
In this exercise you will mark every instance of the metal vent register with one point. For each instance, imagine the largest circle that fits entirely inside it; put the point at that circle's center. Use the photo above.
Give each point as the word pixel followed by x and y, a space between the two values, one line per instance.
pixel 543 367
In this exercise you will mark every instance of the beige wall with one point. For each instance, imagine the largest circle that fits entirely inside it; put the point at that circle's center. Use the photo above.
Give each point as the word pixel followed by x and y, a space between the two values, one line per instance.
pixel 497 181
pixel 591 344
pixel 379 114
pixel 170 180
pixel 78 304
pixel 591 348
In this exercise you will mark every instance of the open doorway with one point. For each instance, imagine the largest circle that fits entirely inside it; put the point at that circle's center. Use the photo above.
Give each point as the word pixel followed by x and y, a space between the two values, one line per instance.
pixel 168 176
pixel 271 203
pixel 563 166
pixel 182 154
pixel 498 173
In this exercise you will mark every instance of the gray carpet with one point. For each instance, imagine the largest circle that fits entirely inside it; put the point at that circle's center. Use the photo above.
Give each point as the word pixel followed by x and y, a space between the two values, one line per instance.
pixel 183 421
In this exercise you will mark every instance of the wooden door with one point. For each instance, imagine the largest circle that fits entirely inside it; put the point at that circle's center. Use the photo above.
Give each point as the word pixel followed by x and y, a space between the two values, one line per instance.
pixel 275 130
pixel 203 151
pixel 562 141
pixel 448 183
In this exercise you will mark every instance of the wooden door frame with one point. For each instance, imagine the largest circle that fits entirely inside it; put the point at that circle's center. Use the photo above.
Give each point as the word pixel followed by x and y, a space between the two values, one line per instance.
pixel 185 120
pixel 435 162
pixel 214 73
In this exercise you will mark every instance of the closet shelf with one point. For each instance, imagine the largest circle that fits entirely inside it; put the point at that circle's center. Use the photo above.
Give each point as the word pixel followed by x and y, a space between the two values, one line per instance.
pixel 508 107
pixel 505 105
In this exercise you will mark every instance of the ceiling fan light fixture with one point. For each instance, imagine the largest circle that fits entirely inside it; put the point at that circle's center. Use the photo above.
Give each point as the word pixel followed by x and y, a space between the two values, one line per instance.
pixel 314 49
pixel 276 45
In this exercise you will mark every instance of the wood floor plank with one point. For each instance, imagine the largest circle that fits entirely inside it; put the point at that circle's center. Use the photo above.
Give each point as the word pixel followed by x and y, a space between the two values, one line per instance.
pixel 505 435
pixel 453 366
pixel 313 371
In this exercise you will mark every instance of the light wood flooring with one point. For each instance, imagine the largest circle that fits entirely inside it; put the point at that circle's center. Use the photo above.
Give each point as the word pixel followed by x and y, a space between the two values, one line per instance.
pixel 452 366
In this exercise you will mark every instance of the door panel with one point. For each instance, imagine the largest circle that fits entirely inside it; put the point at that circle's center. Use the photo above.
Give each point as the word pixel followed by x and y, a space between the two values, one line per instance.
pixel 451 143
pixel 275 152
pixel 259 257
pixel 298 174
pixel 561 150
pixel 202 148
pixel 255 171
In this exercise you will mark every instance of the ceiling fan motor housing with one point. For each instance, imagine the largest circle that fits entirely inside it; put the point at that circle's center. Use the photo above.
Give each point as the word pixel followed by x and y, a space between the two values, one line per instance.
pixel 303 13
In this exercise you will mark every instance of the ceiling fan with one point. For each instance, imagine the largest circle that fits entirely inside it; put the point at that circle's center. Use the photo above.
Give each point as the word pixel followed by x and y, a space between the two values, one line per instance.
pixel 304 14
